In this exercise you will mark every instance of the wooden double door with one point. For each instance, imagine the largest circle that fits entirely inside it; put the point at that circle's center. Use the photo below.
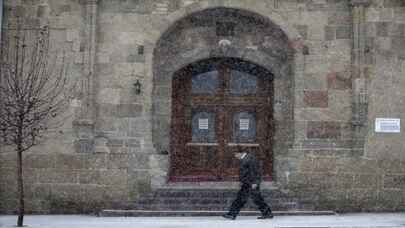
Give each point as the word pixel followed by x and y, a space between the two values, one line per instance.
pixel 220 107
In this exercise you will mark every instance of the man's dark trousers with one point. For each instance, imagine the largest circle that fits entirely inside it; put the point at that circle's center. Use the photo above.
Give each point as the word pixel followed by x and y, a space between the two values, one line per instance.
pixel 242 197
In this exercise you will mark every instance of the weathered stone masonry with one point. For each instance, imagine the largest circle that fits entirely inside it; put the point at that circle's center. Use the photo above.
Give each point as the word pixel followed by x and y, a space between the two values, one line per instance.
pixel 337 65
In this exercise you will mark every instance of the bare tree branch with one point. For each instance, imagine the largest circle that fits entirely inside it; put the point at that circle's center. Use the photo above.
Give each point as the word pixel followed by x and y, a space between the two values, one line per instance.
pixel 33 90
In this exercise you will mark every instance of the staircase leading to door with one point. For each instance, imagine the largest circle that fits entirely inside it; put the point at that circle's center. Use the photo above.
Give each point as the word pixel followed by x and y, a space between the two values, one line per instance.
pixel 207 201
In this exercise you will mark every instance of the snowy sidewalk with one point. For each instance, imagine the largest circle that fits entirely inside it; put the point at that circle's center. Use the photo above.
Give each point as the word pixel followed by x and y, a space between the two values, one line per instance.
pixel 384 220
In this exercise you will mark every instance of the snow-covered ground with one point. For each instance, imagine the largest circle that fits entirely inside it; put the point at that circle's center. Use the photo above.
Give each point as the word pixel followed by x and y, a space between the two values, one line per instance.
pixel 77 221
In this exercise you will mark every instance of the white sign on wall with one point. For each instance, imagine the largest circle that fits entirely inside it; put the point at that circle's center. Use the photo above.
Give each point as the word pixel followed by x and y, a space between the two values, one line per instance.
pixel 387 125
pixel 203 124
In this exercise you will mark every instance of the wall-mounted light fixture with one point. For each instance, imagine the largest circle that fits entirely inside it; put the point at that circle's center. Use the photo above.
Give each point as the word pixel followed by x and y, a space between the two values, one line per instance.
pixel 137 87
pixel 305 50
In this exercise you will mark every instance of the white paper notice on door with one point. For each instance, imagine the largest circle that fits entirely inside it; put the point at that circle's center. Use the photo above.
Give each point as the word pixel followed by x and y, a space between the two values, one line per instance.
pixel 203 124
pixel 244 124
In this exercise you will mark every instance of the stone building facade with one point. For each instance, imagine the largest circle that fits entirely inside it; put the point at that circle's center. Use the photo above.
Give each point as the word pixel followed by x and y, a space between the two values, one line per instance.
pixel 332 66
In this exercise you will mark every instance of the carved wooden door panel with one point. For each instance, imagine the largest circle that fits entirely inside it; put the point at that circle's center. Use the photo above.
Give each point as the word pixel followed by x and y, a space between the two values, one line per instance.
pixel 217 111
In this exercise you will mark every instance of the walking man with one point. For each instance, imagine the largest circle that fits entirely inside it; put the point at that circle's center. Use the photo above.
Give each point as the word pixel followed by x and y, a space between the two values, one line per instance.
pixel 250 177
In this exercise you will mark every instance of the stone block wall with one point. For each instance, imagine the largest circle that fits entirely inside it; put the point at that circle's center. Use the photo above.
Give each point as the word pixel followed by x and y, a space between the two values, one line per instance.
pixel 351 179
pixel 107 154
pixel 385 67
pixel 323 91
pixel 64 174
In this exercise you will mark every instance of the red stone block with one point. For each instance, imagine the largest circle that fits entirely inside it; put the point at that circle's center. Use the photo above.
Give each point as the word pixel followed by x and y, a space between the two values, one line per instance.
pixel 316 99
pixel 337 80
pixel 323 130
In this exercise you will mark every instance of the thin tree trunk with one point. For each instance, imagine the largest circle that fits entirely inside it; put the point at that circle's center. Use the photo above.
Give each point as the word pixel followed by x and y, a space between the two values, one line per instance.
pixel 20 189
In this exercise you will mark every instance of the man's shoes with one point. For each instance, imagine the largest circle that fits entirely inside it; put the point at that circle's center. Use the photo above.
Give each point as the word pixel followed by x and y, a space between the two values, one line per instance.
pixel 267 216
pixel 228 216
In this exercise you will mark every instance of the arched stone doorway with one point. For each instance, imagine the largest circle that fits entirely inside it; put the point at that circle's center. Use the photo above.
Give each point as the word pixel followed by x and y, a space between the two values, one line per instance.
pixel 224 33
pixel 220 106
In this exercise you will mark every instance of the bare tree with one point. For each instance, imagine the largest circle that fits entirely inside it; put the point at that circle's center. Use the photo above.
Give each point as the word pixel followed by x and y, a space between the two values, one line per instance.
pixel 32 93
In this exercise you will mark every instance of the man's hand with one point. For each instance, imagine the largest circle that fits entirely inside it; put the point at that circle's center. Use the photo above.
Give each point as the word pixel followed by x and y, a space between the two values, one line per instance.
pixel 254 186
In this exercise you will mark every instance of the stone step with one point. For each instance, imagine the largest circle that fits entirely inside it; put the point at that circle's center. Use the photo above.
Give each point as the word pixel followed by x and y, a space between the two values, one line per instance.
pixel 155 207
pixel 212 194
pixel 162 213
pixel 203 199
pixel 233 185
pixel 204 202
pixel 207 193
pixel 215 206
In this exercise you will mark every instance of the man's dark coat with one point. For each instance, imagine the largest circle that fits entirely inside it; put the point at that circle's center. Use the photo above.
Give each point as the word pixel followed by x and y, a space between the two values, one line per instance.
pixel 250 170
